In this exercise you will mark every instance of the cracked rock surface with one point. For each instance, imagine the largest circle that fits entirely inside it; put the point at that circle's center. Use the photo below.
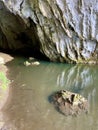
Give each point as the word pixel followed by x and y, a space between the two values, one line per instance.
pixel 62 30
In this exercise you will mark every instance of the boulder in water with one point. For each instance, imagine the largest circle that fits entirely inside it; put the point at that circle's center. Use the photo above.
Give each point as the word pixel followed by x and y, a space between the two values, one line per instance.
pixel 69 103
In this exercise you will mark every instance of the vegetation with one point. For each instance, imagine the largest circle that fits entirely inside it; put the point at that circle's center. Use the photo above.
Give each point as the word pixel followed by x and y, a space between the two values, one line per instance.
pixel 3 81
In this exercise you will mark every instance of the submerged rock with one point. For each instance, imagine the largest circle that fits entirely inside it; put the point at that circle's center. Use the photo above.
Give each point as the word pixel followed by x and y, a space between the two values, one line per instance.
pixel 69 103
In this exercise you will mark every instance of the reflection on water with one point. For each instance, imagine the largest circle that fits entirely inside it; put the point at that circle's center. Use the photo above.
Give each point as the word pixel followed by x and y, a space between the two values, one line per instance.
pixel 28 107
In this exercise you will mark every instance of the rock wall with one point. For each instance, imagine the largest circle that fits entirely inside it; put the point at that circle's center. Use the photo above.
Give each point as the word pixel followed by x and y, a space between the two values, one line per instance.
pixel 65 31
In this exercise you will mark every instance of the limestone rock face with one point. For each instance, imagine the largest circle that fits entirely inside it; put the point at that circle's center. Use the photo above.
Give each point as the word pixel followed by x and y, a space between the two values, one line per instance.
pixel 65 31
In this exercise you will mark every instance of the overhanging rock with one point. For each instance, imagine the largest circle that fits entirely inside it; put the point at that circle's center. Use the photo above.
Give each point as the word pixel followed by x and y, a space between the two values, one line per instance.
pixel 66 31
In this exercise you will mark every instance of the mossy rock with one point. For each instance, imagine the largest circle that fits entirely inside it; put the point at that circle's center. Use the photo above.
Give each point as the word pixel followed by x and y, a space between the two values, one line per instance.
pixel 69 103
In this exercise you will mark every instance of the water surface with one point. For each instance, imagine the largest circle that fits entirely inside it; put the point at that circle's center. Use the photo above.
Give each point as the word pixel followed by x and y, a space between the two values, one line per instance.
pixel 28 107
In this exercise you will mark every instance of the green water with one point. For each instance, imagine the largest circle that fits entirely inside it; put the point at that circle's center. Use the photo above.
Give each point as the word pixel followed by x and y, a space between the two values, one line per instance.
pixel 28 107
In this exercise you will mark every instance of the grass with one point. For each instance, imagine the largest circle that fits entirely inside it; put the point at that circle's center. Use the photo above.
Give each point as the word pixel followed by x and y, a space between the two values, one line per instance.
pixel 3 81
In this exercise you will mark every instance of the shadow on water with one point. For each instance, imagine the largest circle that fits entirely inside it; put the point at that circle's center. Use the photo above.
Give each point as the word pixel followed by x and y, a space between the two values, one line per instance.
pixel 28 107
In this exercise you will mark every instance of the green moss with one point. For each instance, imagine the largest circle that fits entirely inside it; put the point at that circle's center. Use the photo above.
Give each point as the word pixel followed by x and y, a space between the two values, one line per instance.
pixel 3 81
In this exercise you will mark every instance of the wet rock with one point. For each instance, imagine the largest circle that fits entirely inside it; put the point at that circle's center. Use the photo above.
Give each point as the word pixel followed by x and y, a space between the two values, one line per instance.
pixel 35 63
pixel 26 63
pixel 69 103
pixel 1 60
pixel 32 61
pixel 1 125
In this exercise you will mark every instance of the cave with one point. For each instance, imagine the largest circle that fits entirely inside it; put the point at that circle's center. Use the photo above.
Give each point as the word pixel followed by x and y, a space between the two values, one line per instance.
pixel 61 31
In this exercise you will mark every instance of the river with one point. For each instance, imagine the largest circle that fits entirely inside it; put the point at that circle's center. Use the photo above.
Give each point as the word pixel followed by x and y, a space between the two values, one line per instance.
pixel 28 106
